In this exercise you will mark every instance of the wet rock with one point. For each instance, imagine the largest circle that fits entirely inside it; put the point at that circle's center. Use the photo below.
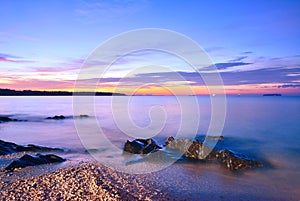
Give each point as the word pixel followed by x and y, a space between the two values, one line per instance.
pixel 141 146
pixel 236 161
pixel 28 160
pixel 57 117
pixel 191 149
pixel 9 148
pixel 198 151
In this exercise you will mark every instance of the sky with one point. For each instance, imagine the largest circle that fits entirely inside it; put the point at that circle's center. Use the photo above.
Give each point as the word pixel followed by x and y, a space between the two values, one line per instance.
pixel 254 45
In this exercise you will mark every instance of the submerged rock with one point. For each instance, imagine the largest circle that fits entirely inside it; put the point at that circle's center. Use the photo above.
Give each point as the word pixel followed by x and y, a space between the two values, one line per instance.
pixel 141 146
pixel 236 161
pixel 191 149
pixel 28 160
pixel 197 150
pixel 9 148
pixel 57 117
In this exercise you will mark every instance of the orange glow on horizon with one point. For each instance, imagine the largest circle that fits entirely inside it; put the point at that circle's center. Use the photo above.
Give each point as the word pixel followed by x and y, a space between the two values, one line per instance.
pixel 68 86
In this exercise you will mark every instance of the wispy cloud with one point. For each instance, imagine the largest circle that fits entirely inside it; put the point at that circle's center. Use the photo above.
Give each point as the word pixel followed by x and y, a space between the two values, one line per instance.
pixel 12 59
pixel 247 52
pixel 230 64
pixel 238 59
pixel 289 86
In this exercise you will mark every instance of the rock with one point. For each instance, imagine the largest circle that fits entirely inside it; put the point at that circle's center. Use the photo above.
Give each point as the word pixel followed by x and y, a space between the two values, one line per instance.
pixel 9 148
pixel 6 119
pixel 236 161
pixel 28 160
pixel 57 117
pixel 141 146
pixel 221 137
pixel 198 151
pixel 190 149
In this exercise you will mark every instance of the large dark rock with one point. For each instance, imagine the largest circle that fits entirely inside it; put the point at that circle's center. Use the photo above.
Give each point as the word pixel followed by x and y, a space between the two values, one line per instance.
pixel 191 149
pixel 9 148
pixel 198 151
pixel 141 146
pixel 28 160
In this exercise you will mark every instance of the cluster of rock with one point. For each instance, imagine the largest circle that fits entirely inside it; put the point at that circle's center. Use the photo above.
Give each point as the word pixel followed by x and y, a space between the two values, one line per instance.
pixel 28 160
pixel 194 150
pixel 6 119
pixel 60 117
pixel 57 117
pixel 141 146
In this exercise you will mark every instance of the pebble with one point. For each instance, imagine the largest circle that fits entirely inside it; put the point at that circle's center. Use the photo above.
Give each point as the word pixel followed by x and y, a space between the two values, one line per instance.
pixel 86 181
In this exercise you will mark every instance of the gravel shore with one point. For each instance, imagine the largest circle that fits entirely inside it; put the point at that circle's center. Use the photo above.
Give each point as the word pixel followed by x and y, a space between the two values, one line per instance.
pixel 85 181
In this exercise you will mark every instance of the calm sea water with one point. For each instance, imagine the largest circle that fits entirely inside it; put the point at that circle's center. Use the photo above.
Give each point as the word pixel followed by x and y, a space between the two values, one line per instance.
pixel 267 128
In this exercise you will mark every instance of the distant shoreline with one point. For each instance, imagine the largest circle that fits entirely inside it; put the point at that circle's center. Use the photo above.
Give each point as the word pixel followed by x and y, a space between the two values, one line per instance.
pixel 10 92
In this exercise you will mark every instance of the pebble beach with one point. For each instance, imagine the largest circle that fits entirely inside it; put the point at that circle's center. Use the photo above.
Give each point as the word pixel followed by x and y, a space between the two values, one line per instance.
pixel 84 181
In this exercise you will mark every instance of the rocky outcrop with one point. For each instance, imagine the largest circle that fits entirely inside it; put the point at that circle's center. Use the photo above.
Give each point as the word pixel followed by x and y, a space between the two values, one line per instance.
pixel 57 117
pixel 236 161
pixel 191 149
pixel 61 117
pixel 194 150
pixel 9 148
pixel 28 160
pixel 198 151
pixel 141 146
pixel 6 119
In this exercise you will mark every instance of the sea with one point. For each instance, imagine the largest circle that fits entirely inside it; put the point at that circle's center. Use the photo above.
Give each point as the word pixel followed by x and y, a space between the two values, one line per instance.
pixel 264 128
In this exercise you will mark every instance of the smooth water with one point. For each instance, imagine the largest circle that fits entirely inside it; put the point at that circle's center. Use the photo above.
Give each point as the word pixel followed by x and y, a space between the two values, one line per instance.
pixel 267 128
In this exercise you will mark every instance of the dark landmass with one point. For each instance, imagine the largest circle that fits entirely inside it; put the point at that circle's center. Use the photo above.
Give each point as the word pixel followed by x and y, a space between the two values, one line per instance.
pixel 272 95
pixel 10 92
pixel 61 117
pixel 6 119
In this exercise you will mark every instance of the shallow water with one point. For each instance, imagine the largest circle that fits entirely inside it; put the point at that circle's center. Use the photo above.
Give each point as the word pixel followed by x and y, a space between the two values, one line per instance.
pixel 266 128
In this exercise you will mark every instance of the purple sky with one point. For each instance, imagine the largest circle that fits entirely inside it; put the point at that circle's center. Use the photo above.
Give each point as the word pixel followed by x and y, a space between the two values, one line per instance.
pixel 255 45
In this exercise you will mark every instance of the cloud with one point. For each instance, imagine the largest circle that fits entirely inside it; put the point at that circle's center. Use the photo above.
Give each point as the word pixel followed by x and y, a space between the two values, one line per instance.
pixel 238 59
pixel 8 56
pixel 289 86
pixel 247 52
pixel 256 76
pixel 230 64
pixel 12 59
